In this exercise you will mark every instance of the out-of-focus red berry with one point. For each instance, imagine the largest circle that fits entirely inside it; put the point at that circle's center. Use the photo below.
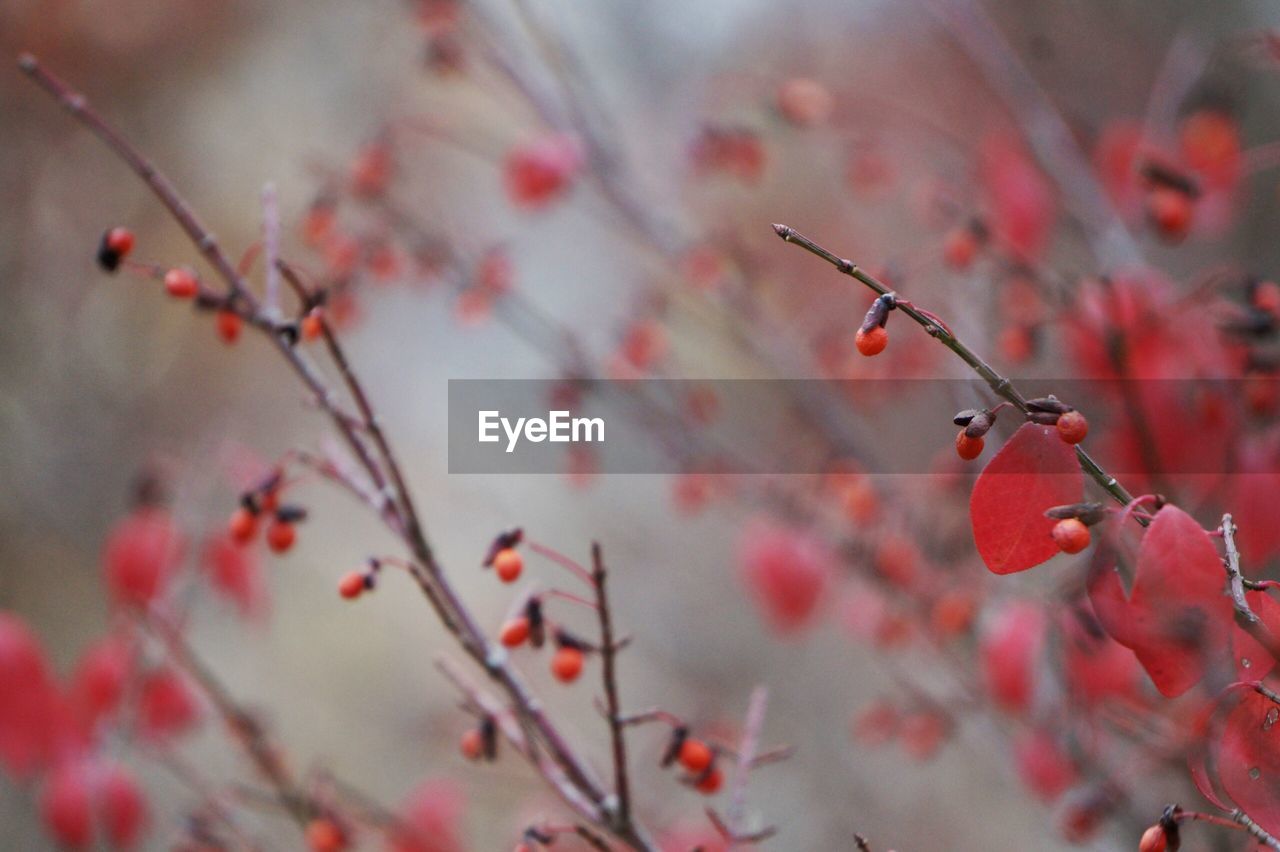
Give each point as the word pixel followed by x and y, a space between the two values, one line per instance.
pixel 515 632
pixel 959 248
pixel 1170 212
pixel 710 783
pixel 141 555
pixel 472 744
pixel 180 283
pixel 352 585
pixel 695 755
pixel 805 102
pixel 566 664
pixel 325 835
pixel 228 324
pixel 508 564
pixel 243 525
pixel 281 535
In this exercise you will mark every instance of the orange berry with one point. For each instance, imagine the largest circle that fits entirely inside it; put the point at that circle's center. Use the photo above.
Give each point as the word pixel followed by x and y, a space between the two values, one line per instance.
pixel 968 448
pixel 872 342
pixel 1072 427
pixel 243 525
pixel 312 325
pixel 472 744
pixel 959 248
pixel 710 783
pixel 566 665
pixel 514 632
pixel 180 283
pixel 1071 535
pixel 1153 840
pixel 1169 210
pixel 325 835
pixel 114 247
pixel 228 323
pixel 281 536
pixel 805 102
pixel 695 755
pixel 953 613
pixel 1266 297
pixel 508 563
pixel 352 585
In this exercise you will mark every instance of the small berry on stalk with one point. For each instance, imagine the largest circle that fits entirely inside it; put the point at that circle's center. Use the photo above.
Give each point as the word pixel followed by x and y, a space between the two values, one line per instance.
pixel 960 247
pixel 243 525
pixel 115 247
pixel 508 564
pixel 871 342
pixel 695 755
pixel 514 632
pixel 312 325
pixel 281 535
pixel 710 782
pixel 968 448
pixel 1169 210
pixel 1071 535
pixel 228 324
pixel 472 744
pixel 180 283
pixel 325 835
pixel 352 585
pixel 566 665
pixel 1153 840
pixel 1073 427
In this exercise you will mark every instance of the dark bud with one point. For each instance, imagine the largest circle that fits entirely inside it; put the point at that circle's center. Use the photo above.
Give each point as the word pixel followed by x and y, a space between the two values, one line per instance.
pixel 510 538
pixel 291 514
pixel 537 624
pixel 1158 174
pixel 678 735
pixel 962 418
pixel 980 424
pixel 537 835
pixel 249 501
pixel 108 258
pixel 1044 418
pixel 1086 513
pixel 288 332
pixel 370 580
pixel 489 737
pixel 1048 404
pixel 1169 824
pixel 879 312
pixel 565 639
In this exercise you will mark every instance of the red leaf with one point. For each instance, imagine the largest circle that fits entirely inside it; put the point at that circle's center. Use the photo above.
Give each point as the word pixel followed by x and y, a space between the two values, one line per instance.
pixel 1034 471
pixel 1248 757
pixel 1177 618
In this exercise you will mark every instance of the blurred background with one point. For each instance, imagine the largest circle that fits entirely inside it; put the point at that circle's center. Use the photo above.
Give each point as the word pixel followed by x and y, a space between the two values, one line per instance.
pixel 100 377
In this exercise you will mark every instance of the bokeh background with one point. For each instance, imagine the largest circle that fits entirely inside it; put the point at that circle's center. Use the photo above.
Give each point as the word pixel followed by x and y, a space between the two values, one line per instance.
pixel 99 377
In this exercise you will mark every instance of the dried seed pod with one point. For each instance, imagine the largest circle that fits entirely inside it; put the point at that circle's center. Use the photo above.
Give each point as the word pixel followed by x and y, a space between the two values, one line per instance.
pixel 962 418
pixel 678 735
pixel 878 314
pixel 980 424
pixel 503 541
pixel 1049 404
pixel 1087 513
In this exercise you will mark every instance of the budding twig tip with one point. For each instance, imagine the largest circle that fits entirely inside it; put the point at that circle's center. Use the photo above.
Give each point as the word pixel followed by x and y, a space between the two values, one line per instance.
pixel 782 231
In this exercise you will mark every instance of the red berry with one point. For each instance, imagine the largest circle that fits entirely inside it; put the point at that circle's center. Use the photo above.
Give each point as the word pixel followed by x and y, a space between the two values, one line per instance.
pixel 959 248
pixel 508 563
pixel 180 283
pixel 805 102
pixel 119 240
pixel 228 323
pixel 1072 427
pixel 114 247
pixel 710 782
pixel 472 744
pixel 1169 210
pixel 968 448
pixel 243 525
pixel 121 808
pixel 281 536
pixel 351 586
pixel 515 632
pixel 566 665
pixel 312 325
pixel 325 835
pixel 1071 535
pixel 695 755
pixel 1153 840
pixel 65 807
pixel 872 342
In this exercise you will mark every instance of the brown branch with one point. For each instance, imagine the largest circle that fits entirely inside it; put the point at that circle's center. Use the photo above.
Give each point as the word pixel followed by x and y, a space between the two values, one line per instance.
pixel 1246 618
pixel 425 569
pixel 1000 385
pixel 609 660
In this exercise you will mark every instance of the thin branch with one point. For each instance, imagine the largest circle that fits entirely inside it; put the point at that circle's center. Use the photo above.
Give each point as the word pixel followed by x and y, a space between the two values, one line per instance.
pixel 999 384
pixel 609 660
pixel 1246 618
pixel 1258 832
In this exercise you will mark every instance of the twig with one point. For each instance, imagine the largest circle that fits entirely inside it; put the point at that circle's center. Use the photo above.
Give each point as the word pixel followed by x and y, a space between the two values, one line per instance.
pixel 1246 618
pixel 608 657
pixel 751 727
pixel 1258 832
pixel 999 385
